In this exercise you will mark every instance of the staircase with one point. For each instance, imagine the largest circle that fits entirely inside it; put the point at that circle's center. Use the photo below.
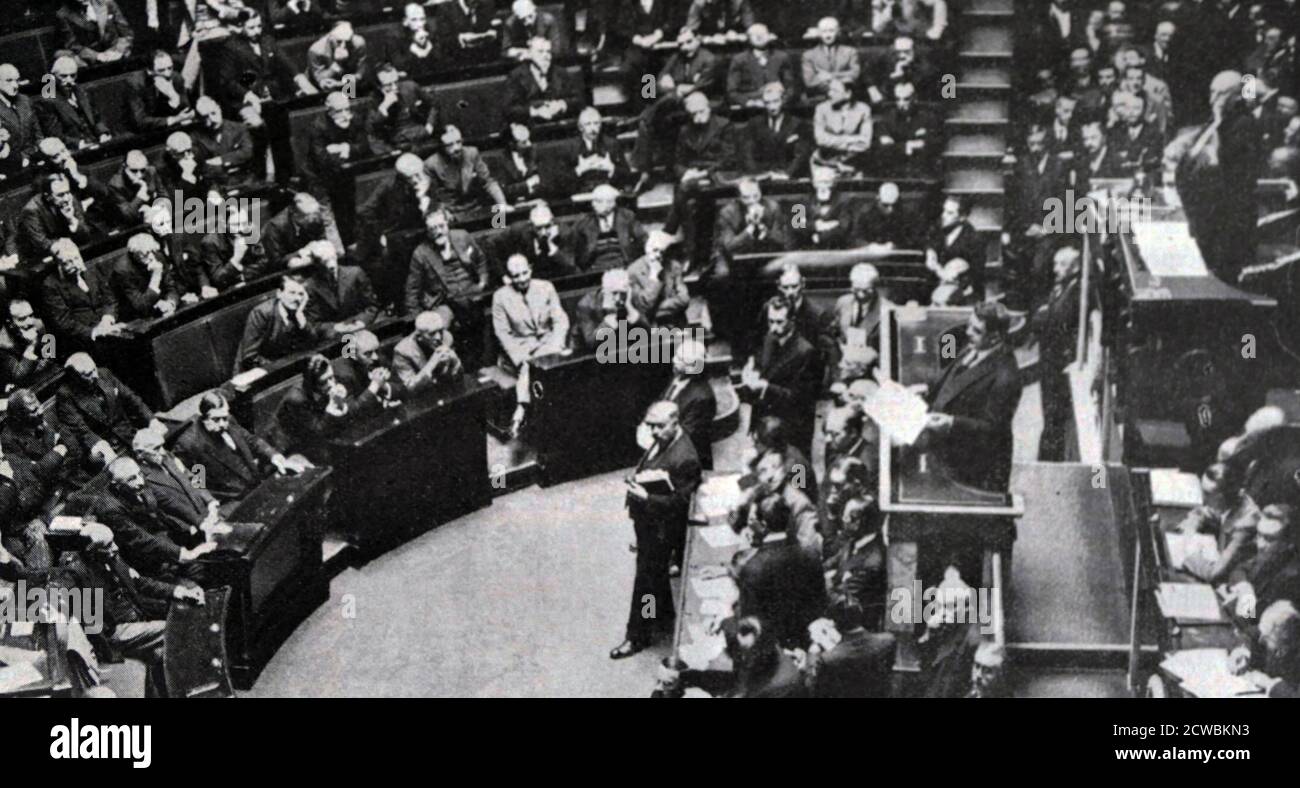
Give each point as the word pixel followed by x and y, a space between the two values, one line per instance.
pixel 978 127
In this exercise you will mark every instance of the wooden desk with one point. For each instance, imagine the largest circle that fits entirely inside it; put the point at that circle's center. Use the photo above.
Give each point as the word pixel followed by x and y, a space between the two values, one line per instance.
pixel 402 471
pixel 49 647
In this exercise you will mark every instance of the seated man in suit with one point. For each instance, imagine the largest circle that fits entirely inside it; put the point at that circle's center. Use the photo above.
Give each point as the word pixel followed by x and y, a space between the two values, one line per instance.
pixel 857 580
pixel 460 176
pixel 142 282
pixel 829 59
pixel 399 203
pixel 956 238
pixel 225 147
pixel 291 232
pixel 1274 572
pixel 529 323
pixel 235 256
pixel 781 583
pixel 705 154
pixel 412 51
pixel 234 460
pixel 1138 143
pixel 827 218
pixel 851 662
pixel 405 114
pixel 781 472
pixel 855 323
pixel 548 246
pixel 690 69
pixel 96 31
pixel 183 502
pixel 18 113
pixel 449 272
pixel 30 433
pixel 27 352
pixel 758 66
pixel 135 187
pixel 425 357
pixel 842 129
pixel 362 373
pixel 724 20
pixel 595 158
pixel 605 315
pixel 775 144
pixel 539 92
pixel 522 179
pixel 659 284
pixel 696 403
pixel 524 24
pixel 465 30
pixel 52 156
pixel 338 60
pixel 338 296
pixel 297 17
pixel 973 401
pixel 887 224
pixel 750 223
pixel 78 302
pixel 907 135
pixel 67 113
pixel 183 173
pixel 849 477
pixel 279 327
pixel 782 380
pixel 610 236
pixel 52 212
pixel 1268 658
pixel 99 412
pixel 318 408
pixel 335 139
pixel 157 99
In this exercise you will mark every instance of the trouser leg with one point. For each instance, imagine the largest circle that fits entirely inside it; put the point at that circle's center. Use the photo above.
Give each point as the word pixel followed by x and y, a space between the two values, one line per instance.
pixel 143 640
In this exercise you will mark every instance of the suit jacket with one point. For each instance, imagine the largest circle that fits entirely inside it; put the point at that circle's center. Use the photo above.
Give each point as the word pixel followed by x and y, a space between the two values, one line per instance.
pixel 265 73
pixel 514 177
pixel 1036 180
pixel 23 123
pixel 782 585
pixel 524 92
pixel 786 149
pixel 325 167
pixel 307 426
pixel 147 108
pixel 860 666
pixel 126 195
pixel 710 17
pixel 129 282
pixel 526 322
pixel 453 20
pixel 428 278
pixel 455 182
pixel 392 207
pixel 355 377
pixel 982 401
pixel 129 597
pixel 1144 154
pixel 696 408
pixel 216 251
pixel 822 64
pixel 662 299
pixel 702 71
pixel 348 299
pixel 268 337
pixel 844 314
pixel 520 239
pixel 898 227
pixel 110 412
pixel 746 76
pixel 282 237
pixel 150 539
pixel 664 512
pixel 404 125
pixel 35 443
pixel 590 331
pixel 16 369
pixel 73 125
pixel 709 147
pixel 88 38
pixel 229 475
pixel 793 375
pixel 516 35
pixel 1274 574
pixel 858 580
pixel 233 145
pixel 605 145
pixel 182 502
pixel 838 209
pixel 40 224
pixel 326 73
pixel 586 233
pixel 409 358
pixel 732 237
pixel 73 314
pixel 1056 323
pixel 967 245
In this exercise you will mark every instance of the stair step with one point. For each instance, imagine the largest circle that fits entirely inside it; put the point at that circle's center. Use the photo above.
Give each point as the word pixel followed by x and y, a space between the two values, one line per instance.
pixel 975 179
pixel 981 110
pixel 982 75
pixel 991 6
pixel 990 38
pixel 975 144
pixel 986 217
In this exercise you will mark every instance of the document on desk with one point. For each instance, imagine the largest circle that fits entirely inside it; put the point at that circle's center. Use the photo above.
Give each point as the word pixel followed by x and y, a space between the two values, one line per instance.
pixel 1192 550
pixel 721 588
pixel 1204 673
pixel 1189 602
pixel 1172 487
pixel 1168 249
pixel 15 677
pixel 899 412
pixel 717 496
pixel 719 536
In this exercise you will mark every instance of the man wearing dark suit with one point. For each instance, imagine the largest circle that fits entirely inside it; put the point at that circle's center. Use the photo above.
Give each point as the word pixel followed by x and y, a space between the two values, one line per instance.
pixel 809 321
pixel 297 17
pixel 857 576
pixel 333 141
pixel 538 92
pixel 907 135
pixel 525 23
pixel 1038 178
pixel 404 113
pixel 1056 323
pixel 135 187
pixel 279 327
pixel 956 238
pixel 142 282
pixel 1097 159
pixel 782 379
pixel 368 382
pixel 157 99
pixel 972 404
pixel 827 219
pixel 781 584
pixel 18 113
pixel 99 412
pixel 520 177
pixel 696 404
pixel 860 665
pixel 53 212
pixel 225 147
pixel 183 503
pixel 78 302
pixel 705 153
pixel 548 246
pixel 1138 143
pixel 659 284
pixel 339 296
pixel 776 142
pixel 251 69
pixel 751 223
pixel 291 231
pixel 762 668
pixel 657 517
pixel 605 314
pixel 595 158
pixel 30 433
pixel 448 272
pixel 234 460
pixel 96 31
pixel 610 236
pixel 460 176
pixel 68 114
pixel 464 28
pixel 232 258
pixel 757 67
pixel 885 222
pixel 720 17
pixel 1274 573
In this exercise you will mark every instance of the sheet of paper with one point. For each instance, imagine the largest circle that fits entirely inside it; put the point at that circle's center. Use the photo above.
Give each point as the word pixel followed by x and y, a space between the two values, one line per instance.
pixel 1221 684
pixel 1168 249
pixel 15 677
pixel 719 536
pixel 715 608
pixel 1196 662
pixel 1172 487
pixel 1201 549
pixel 718 495
pixel 721 588
pixel 900 413
pixel 1194 601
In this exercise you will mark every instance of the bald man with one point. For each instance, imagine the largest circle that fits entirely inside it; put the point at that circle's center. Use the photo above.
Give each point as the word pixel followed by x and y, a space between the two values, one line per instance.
pixel 361 371
pixel 548 245
pixel 135 187
pixel 693 395
pixel 18 113
pixel 99 412
pixel 610 236
pixel 602 315
pixel 224 146
pixel 659 518
pixel 425 357
pixel 67 112
pixel 182 171
pixel 526 22
pixel 339 59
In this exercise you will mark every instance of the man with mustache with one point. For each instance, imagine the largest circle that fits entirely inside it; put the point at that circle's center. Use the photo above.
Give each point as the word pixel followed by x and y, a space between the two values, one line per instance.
pixel 68 114
pixel 77 301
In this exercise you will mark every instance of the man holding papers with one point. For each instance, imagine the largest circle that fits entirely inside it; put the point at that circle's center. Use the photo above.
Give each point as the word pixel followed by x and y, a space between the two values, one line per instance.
pixel 973 401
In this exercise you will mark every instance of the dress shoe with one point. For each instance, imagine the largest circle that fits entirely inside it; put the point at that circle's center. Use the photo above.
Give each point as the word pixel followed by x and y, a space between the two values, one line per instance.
pixel 626 649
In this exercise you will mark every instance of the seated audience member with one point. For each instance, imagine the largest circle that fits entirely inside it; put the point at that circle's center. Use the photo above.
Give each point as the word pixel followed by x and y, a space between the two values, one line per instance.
pixel 362 373
pixel 901 65
pixel 12 162
pixel 705 153
pixel 827 221
pixel 848 478
pixel 425 357
pixel 297 16
pixel 525 23
pixel 595 158
pixel 136 605
pixel 96 31
pixel 339 296
pixel 956 285
pixel 777 473
pixel 187 506
pixel 29 433
pixel 770 434
pixel 775 144
pixel 522 179
pixel 142 282
pixel 448 273
pixel 235 256
pixel 136 187
pixel 334 140
pixel 225 147
pixel 465 29
pixel 924 18
pixel 404 116
pixel 907 136
pixel 955 238
pixel 1274 571
pixel 634 29
pixel 762 668
pixel 658 283
pixel 548 246
pixel 234 460
pixel 78 302
pixel 781 584
pixel 53 212
pixel 857 580
pixel 18 114
pixel 66 111
pixel 338 60
pixel 26 351
pixel 849 433
pixel 252 70
pixel 1230 515
pixel 809 321
pixel 529 323
pixel 313 411
pixel 413 52
pixel 52 156
pixel 952 636
pixel 610 236
pixel 290 233
pixel 279 327
pixel 829 60
pixel 604 315
pixel 400 203
pixel 696 404
pixel 750 223
pixel 1273 661
pixel 99 412
pixel 539 92
pixel 844 660
pixel 182 173
pixel 855 323
pixel 1097 158
pixel 842 129
pixel 758 66
pixel 723 19
pixel 689 70
pixel 1139 145
pixel 157 99
pixel 460 176
pixel 782 379
pixel 885 223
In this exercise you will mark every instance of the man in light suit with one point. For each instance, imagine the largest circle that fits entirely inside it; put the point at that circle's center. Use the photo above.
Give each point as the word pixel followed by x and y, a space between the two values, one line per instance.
pixel 338 59
pixel 460 176
pixel 234 460
pixel 696 404
pixel 529 323
pixel 973 402
pixel 658 284
pixel 829 60
pixel 855 320
pixel 425 357
pixel 608 237
pixel 657 517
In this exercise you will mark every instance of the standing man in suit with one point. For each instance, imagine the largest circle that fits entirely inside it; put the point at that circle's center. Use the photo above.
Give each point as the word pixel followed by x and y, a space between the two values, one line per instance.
pixel 460 176
pixel 973 402
pixel 1056 323
pixel 775 143
pixel 828 60
pixel 157 99
pixel 783 378
pixel 529 322
pixel 234 460
pixel 68 114
pixel 696 404
pixel 658 518
pixel 781 584
pixel 690 69
pixel 99 412
pixel 279 327
pixel 608 237
pixel 1039 176
pixel 956 238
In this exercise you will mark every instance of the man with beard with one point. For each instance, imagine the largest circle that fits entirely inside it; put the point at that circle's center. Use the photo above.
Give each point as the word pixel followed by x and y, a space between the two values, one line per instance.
pixel 412 52
pixel 956 238
pixel 157 99
pixel 77 301
pixel 758 66
pixel 278 328
pixel 610 236
pixel 1097 159
pixel 524 24
pixel 1138 144
pixel 775 144
pixel 901 65
pixel 404 115
pixel 461 178
pixel 400 203
pixel 537 91
pixel 99 412
pixel 595 158
pixel 827 220
pixel 68 113
pixel 605 315
pixel 290 232
pixel 658 284
pixel 522 178
pixel 25 353
pixel 448 274
pixel 225 146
